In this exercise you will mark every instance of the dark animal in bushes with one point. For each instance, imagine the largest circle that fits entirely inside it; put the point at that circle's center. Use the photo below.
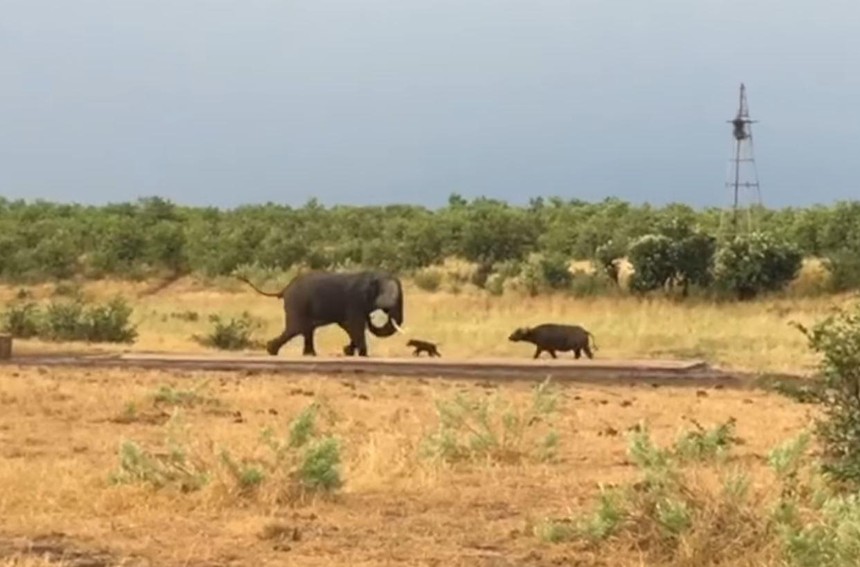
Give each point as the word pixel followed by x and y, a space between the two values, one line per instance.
pixel 553 337
pixel 423 346
pixel 316 299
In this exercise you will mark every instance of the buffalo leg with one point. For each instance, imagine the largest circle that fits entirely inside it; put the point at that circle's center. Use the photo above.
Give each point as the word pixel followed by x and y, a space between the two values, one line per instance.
pixel 587 351
pixel 576 353
pixel 552 353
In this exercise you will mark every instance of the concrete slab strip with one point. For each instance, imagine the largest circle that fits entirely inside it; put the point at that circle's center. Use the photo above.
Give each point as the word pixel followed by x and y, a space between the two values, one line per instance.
pixel 568 369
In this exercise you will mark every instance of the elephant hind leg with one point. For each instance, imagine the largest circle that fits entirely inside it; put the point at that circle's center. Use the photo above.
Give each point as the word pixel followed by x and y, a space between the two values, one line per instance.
pixel 274 345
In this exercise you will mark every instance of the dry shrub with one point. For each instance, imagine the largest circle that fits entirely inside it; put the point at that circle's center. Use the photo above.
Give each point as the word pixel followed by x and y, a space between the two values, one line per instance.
pixel 278 469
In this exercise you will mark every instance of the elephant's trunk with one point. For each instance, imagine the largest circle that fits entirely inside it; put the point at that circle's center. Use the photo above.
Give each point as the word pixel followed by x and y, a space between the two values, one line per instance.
pixel 384 331
pixel 392 325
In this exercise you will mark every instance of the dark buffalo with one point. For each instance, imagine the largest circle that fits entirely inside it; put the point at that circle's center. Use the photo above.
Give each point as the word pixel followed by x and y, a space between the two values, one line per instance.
pixel 552 337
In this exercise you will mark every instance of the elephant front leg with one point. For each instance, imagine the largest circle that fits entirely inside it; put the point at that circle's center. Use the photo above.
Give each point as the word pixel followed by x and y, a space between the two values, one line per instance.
pixel 355 329
pixel 309 349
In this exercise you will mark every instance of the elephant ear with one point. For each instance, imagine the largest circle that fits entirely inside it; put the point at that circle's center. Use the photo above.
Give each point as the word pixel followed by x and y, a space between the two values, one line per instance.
pixel 388 293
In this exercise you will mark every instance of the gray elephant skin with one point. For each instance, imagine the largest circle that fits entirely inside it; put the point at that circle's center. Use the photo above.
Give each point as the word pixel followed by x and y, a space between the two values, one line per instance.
pixel 316 299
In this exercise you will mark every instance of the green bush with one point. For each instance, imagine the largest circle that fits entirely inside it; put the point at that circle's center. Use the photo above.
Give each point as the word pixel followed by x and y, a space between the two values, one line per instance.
pixel 235 334
pixel 152 237
pixel 543 273
pixel 74 319
pixel 494 430
pixel 749 265
pixel 844 270
pixel 653 262
pixel 837 339
pixel 79 320
pixel 22 320
pixel 661 509
pixel 428 280
pixel 110 322
pixel 678 256
pixel 178 465
pixel 306 462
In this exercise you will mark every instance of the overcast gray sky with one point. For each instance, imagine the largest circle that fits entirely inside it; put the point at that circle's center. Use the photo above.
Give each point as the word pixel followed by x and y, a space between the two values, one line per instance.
pixel 377 101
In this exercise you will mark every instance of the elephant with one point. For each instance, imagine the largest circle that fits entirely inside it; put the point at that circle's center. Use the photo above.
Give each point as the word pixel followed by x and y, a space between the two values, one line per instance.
pixel 319 298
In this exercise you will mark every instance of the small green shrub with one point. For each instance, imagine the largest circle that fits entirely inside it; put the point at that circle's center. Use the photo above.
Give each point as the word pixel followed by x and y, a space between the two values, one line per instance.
pixel 22 320
pixel 428 280
pixel 305 462
pixel 541 273
pixel 65 320
pixel 704 444
pixel 311 460
pixel 110 322
pixel 175 466
pixel 247 476
pixel 319 465
pixel 235 334
pixel 170 396
pixel 492 429
pixel 660 509
pixel 844 270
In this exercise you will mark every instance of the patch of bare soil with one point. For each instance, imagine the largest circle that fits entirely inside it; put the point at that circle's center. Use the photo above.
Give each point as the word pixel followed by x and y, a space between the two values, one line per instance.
pixel 57 548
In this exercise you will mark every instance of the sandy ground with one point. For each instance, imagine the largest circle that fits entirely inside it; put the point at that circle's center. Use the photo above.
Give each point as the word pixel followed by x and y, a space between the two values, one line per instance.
pixel 60 431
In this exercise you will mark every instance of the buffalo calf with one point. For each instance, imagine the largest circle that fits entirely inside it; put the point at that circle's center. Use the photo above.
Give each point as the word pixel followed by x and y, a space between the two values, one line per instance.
pixel 423 346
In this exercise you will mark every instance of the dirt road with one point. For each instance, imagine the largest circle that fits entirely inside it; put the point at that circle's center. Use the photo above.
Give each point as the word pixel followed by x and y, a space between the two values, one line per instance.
pixel 678 372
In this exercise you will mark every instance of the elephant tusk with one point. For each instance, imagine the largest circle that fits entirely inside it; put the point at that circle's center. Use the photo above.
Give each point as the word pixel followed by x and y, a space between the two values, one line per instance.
pixel 398 327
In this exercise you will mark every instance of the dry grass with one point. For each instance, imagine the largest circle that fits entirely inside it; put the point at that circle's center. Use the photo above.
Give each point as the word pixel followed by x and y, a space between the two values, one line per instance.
pixel 59 438
pixel 470 324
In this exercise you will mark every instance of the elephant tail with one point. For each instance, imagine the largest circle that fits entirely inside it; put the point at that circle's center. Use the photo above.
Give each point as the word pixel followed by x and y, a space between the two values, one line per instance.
pixel 278 294
pixel 593 340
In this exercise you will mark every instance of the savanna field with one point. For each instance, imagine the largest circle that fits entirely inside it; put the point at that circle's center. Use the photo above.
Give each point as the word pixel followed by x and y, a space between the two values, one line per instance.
pixel 195 468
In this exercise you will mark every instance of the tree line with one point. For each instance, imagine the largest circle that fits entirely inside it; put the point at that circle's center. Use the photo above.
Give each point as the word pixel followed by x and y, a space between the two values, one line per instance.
pixel 43 240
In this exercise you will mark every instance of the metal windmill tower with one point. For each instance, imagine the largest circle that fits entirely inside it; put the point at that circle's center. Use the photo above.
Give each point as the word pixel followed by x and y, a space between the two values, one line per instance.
pixel 743 171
